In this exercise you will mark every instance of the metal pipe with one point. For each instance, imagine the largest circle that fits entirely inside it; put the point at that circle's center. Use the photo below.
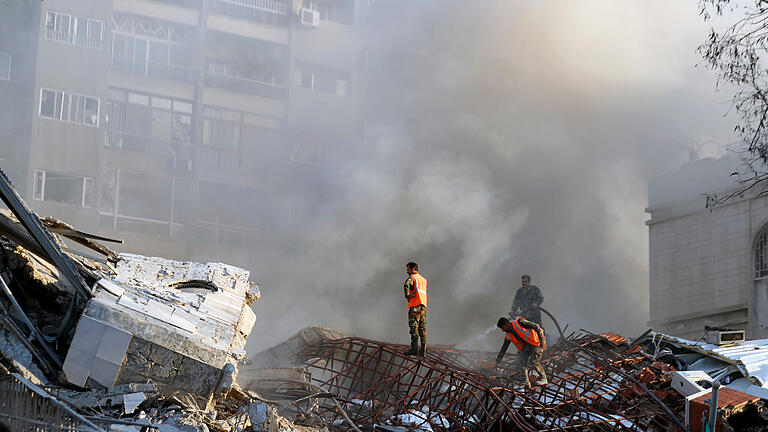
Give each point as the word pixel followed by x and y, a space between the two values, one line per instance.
pixel 713 406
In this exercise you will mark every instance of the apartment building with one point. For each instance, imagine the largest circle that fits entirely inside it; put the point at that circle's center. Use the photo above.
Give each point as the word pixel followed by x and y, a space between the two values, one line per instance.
pixel 188 128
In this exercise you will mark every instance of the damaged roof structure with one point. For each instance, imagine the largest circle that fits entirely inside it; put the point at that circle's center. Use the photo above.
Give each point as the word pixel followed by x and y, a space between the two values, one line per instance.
pixel 597 382
pixel 134 343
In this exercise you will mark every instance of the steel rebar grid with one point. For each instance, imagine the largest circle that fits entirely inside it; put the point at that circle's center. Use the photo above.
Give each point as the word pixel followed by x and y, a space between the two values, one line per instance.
pixel 381 384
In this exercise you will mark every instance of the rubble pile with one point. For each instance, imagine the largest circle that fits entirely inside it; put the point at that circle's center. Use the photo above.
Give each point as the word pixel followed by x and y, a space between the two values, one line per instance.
pixel 124 342
pixel 595 384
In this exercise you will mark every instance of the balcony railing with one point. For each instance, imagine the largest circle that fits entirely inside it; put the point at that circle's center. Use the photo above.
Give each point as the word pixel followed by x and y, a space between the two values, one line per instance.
pixel 208 157
pixel 193 4
pixel 232 235
pixel 271 90
pixel 128 141
pixel 152 69
pixel 74 39
pixel 141 225
pixel 262 11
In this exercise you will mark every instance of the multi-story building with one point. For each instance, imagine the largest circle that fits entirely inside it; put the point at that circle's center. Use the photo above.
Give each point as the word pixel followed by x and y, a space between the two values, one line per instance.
pixel 708 266
pixel 188 128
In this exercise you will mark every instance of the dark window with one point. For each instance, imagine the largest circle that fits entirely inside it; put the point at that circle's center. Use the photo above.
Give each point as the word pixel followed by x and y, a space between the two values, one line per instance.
pixel 70 107
pixel 142 122
pixel 63 188
pixel 47 103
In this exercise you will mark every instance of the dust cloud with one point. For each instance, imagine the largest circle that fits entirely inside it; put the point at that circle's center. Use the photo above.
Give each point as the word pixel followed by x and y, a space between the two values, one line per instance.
pixel 502 138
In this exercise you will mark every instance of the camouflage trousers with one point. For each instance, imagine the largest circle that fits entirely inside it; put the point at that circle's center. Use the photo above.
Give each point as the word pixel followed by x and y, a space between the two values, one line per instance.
pixel 417 321
pixel 530 358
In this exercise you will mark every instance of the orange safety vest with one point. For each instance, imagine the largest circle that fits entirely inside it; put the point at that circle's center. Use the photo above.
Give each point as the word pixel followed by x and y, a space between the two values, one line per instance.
pixel 418 293
pixel 522 335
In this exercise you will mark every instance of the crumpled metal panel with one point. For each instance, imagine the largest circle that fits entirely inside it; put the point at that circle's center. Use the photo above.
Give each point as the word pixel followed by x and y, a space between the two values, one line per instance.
pixel 751 355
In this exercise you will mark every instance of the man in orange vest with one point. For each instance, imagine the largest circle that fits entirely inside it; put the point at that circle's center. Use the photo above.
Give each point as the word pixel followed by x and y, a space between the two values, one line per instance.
pixel 415 290
pixel 529 340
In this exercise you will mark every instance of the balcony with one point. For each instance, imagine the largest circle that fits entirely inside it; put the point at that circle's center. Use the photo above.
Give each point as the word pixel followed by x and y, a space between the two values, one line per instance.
pixel 268 12
pixel 124 140
pixel 74 39
pixel 177 11
pixel 194 4
pixel 163 71
pixel 270 90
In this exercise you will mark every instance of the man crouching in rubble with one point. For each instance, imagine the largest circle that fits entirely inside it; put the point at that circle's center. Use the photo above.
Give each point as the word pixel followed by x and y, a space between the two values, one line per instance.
pixel 529 339
pixel 415 290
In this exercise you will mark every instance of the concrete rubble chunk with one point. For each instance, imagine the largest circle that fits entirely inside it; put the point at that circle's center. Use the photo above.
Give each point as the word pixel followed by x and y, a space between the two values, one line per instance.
pixel 257 414
pixel 139 326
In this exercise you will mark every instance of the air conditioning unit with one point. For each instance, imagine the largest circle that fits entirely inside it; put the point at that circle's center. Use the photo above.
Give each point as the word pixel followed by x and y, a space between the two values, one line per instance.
pixel 725 337
pixel 309 17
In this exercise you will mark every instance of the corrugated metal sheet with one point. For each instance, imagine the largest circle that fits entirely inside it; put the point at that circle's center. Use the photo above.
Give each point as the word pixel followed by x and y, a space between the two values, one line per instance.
pixel 751 355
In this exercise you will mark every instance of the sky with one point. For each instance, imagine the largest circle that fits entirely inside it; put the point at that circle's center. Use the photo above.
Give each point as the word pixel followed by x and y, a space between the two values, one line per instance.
pixel 510 137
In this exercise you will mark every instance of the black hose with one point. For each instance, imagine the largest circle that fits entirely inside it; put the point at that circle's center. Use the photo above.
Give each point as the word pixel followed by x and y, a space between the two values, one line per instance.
pixel 559 330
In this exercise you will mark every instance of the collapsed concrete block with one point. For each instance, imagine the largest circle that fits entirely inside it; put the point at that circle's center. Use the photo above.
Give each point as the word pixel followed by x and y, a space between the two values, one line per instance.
pixel 148 325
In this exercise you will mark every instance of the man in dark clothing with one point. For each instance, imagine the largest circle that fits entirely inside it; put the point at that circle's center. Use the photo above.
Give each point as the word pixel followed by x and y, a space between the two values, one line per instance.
pixel 530 342
pixel 527 301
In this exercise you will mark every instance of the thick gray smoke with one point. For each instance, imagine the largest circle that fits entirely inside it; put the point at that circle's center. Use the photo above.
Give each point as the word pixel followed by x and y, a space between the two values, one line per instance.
pixel 506 138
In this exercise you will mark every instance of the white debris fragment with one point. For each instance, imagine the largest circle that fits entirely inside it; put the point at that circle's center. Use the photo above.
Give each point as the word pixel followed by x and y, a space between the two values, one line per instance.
pixel 415 418
pixel 363 403
pixel 132 400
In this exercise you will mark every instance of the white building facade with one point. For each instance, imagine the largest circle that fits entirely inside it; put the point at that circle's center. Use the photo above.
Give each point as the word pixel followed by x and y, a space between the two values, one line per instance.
pixel 708 267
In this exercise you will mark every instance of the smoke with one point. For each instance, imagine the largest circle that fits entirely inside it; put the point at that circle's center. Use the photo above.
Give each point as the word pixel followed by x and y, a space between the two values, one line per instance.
pixel 475 339
pixel 504 138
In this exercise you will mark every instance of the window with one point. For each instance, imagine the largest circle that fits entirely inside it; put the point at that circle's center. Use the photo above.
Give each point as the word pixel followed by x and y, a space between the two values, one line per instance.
pixel 150 48
pixel 307 150
pixel 69 107
pixel 63 188
pixel 5 65
pixel 761 254
pixel 143 122
pixel 142 202
pixel 83 31
pixel 322 78
pixel 235 131
pixel 221 128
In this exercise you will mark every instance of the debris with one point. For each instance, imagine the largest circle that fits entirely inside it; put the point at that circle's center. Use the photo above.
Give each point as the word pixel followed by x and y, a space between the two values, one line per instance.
pixel 131 401
pixel 138 343
pixel 257 414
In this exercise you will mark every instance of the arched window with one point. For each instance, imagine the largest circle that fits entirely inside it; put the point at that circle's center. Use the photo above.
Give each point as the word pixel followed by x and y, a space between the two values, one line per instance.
pixel 761 254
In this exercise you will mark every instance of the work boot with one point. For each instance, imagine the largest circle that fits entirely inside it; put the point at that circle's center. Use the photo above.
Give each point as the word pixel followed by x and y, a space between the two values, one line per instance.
pixel 414 348
pixel 423 349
